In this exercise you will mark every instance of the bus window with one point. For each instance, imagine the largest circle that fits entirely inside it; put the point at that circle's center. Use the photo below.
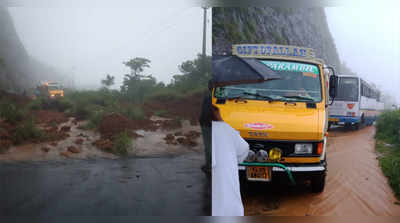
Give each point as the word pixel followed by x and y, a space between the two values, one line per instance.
pixel 347 89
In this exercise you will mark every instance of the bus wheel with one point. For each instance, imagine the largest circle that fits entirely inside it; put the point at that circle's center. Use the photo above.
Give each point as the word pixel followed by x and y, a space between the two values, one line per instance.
pixel 357 126
pixel 318 183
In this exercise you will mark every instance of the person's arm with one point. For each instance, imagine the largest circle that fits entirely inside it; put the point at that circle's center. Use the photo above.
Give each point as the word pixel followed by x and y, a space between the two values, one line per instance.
pixel 242 147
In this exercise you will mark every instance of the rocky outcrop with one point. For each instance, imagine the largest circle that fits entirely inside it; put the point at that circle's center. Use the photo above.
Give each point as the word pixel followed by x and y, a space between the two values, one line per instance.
pixel 302 27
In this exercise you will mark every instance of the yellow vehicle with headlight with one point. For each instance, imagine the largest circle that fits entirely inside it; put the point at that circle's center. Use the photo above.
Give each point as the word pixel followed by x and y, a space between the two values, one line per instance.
pixel 54 89
pixel 284 120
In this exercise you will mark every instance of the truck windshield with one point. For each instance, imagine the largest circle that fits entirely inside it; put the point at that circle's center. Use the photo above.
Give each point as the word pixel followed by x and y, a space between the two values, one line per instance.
pixel 53 87
pixel 347 89
pixel 299 82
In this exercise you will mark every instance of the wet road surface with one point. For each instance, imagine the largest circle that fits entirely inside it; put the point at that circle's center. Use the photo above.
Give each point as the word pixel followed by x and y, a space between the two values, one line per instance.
pixel 355 184
pixel 130 186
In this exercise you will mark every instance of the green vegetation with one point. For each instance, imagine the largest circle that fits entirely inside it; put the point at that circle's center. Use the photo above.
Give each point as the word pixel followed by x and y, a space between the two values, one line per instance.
pixel 161 113
pixel 27 131
pixel 22 122
pixel 388 127
pixel 133 112
pixel 60 104
pixel 390 164
pixel 108 81
pixel 122 143
pixel 388 131
pixel 11 113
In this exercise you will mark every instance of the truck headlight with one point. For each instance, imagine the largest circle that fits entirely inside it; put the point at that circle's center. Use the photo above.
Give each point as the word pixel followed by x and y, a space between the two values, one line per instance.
pixel 275 154
pixel 305 148
pixel 262 156
pixel 251 156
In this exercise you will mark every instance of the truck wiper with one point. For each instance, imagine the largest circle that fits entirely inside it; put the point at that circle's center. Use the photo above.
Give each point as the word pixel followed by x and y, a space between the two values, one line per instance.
pixel 299 97
pixel 235 97
pixel 261 96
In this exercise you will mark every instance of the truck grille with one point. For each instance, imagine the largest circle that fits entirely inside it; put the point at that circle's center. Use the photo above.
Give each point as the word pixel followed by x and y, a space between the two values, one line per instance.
pixel 287 148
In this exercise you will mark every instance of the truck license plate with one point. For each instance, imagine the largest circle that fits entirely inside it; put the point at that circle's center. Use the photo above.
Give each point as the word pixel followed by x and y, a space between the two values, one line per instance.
pixel 333 119
pixel 258 173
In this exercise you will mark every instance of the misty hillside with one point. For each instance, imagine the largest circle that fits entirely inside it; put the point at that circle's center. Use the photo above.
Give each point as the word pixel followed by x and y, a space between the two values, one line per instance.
pixel 302 27
pixel 18 71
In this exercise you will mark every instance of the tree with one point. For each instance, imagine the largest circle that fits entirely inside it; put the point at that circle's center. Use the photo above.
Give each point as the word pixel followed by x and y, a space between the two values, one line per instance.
pixel 136 85
pixel 137 65
pixel 109 81
pixel 195 74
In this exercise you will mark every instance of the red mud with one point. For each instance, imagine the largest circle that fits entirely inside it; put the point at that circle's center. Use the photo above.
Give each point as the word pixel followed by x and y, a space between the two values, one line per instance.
pixel 79 141
pixel 186 139
pixel 188 108
pixel 50 117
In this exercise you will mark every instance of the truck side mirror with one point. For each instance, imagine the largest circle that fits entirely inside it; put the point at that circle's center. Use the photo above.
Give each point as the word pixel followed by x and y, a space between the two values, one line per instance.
pixel 333 84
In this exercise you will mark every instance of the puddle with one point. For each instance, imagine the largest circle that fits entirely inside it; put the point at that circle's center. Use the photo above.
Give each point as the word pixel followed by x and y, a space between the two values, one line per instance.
pixel 153 143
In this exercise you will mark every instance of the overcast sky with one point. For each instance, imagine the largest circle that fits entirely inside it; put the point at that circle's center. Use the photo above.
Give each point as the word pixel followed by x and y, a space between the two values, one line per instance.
pixel 368 40
pixel 89 43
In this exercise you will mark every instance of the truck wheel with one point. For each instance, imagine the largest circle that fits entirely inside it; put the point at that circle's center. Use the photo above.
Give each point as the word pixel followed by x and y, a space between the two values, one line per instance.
pixel 329 125
pixel 318 183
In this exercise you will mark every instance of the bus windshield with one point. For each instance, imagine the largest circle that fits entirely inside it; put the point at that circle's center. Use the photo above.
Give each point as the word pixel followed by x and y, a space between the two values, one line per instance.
pixel 299 82
pixel 347 89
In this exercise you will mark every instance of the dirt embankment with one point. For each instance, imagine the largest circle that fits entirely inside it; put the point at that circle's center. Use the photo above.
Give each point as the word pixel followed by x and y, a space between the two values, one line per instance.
pixel 355 184
pixel 188 108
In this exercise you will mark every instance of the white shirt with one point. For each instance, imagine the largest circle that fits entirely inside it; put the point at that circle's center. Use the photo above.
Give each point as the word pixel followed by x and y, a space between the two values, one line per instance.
pixel 228 149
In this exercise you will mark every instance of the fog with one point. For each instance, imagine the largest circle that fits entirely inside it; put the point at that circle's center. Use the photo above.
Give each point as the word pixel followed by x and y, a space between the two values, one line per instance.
pixel 88 43
pixel 367 39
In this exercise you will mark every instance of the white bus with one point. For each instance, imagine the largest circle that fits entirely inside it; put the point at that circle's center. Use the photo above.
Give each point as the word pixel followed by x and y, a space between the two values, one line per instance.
pixel 357 103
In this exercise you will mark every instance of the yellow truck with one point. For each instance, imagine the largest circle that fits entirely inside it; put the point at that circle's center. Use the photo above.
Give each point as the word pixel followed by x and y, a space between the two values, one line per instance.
pixel 49 89
pixel 284 120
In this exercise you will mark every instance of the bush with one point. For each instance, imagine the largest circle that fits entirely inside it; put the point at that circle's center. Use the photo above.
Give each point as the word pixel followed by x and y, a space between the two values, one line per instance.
pixel 166 94
pixel 11 113
pixel 95 119
pixel 390 164
pixel 35 104
pixel 161 113
pixel 133 112
pixel 58 104
pixel 27 131
pixel 122 143
pixel 388 127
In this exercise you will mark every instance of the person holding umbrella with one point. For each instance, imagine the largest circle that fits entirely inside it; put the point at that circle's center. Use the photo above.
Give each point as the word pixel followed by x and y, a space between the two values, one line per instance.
pixel 205 123
pixel 228 150
pixel 228 147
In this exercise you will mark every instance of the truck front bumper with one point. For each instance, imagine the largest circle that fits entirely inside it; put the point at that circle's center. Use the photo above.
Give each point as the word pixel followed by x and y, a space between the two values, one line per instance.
pixel 294 169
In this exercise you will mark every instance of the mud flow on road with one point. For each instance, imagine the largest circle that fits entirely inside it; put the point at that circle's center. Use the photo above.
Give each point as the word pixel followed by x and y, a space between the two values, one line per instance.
pixel 355 184
pixel 126 186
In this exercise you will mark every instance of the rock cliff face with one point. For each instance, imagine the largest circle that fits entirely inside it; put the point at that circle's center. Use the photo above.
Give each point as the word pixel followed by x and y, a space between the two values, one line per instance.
pixel 302 27
pixel 18 71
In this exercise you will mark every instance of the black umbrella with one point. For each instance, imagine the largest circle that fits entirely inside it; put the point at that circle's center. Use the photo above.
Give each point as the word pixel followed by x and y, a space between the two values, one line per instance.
pixel 230 70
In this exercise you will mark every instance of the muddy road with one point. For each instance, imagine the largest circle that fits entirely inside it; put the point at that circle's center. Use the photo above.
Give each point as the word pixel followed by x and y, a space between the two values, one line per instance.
pixel 355 184
pixel 127 186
